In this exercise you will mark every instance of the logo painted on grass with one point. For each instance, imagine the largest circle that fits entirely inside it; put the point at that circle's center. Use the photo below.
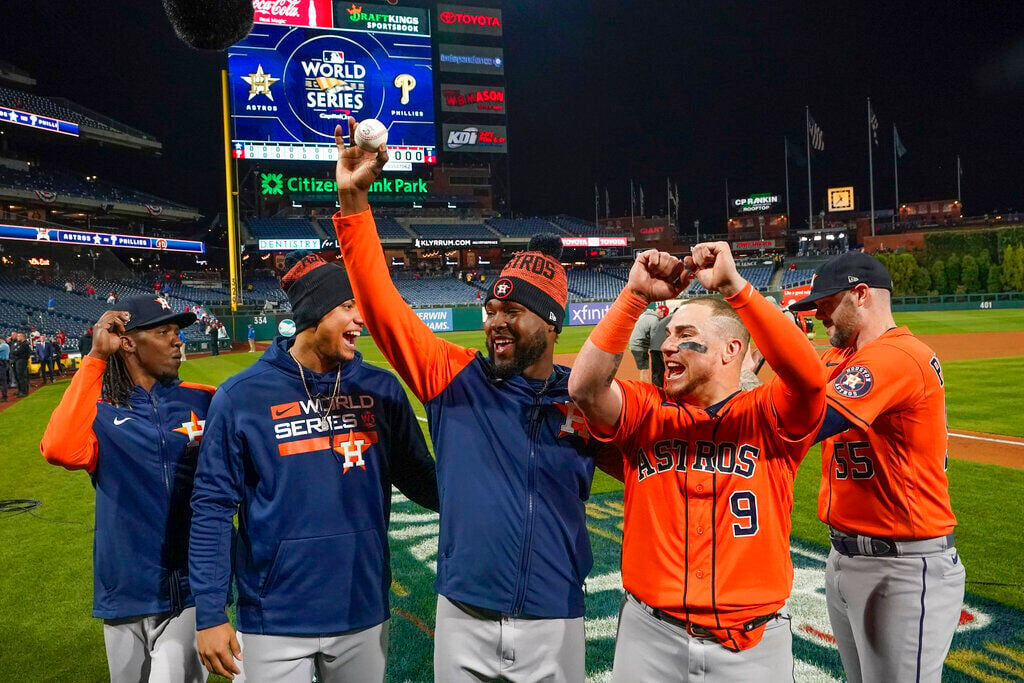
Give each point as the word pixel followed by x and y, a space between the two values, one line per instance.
pixel 987 644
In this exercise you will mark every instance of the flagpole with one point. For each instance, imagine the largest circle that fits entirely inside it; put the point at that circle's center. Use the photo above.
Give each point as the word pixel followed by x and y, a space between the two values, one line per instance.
pixel 785 144
pixel 896 176
pixel 597 207
pixel 959 173
pixel 668 202
pixel 871 171
pixel 810 197
pixel 632 204
pixel 727 205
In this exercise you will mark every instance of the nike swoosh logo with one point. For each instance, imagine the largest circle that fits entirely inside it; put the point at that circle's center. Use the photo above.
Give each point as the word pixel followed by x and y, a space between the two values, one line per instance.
pixel 121 420
pixel 281 413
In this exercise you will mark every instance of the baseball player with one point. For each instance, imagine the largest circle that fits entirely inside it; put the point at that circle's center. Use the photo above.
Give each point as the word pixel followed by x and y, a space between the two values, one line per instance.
pixel 304 445
pixel 894 581
pixel 514 461
pixel 640 341
pixel 709 474
pixel 130 423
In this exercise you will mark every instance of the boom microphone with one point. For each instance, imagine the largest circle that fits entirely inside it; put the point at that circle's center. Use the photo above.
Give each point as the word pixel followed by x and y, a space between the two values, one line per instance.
pixel 210 24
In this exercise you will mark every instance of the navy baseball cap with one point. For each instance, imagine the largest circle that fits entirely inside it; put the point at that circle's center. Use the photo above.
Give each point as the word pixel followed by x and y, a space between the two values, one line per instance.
pixel 150 311
pixel 843 272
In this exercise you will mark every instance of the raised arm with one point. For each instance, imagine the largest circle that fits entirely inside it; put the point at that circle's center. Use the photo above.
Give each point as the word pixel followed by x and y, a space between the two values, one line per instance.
pixel 655 276
pixel 426 363
pixel 69 440
pixel 799 394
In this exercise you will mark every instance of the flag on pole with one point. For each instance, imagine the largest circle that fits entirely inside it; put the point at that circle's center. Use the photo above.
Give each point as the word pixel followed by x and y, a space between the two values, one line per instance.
pixel 641 199
pixel 874 123
pixel 816 133
pixel 794 155
pixel 607 204
pixel 901 151
pixel 632 198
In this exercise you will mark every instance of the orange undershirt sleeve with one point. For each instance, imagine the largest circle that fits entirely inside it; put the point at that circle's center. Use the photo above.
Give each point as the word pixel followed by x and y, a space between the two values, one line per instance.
pixel 426 363
pixel 69 440
pixel 799 396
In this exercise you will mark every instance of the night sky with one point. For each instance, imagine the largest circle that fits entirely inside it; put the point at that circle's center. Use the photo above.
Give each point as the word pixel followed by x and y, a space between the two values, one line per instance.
pixel 603 91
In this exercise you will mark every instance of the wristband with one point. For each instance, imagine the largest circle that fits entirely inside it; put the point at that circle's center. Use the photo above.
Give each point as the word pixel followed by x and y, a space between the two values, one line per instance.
pixel 612 334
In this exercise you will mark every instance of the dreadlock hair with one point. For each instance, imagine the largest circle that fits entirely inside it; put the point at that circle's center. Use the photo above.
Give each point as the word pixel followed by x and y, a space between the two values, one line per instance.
pixel 117 382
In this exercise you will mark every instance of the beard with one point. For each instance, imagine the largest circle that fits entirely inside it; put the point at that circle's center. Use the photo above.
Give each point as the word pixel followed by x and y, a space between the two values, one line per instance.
pixel 840 339
pixel 528 351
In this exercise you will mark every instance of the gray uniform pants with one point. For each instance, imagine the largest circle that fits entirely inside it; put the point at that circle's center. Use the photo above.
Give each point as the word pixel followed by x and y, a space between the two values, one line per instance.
pixel 894 617
pixel 649 649
pixel 469 648
pixel 155 649
pixel 356 657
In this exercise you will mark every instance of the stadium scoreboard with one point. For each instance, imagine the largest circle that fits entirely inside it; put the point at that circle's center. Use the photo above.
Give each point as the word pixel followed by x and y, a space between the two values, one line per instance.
pixel 291 85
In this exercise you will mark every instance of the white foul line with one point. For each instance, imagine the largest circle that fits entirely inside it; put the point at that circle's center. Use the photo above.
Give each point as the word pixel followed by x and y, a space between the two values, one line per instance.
pixel 986 438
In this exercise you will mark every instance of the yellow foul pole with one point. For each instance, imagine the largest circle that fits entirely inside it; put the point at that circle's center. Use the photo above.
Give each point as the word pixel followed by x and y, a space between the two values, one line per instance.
pixel 229 186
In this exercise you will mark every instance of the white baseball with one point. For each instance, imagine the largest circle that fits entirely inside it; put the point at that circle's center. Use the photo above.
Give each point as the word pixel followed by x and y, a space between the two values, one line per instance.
pixel 371 134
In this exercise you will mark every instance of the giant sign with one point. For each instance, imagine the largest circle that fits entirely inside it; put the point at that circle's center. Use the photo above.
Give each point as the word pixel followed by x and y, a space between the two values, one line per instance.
pixel 475 138
pixel 98 239
pixel 290 87
pixel 764 201
pixel 472 99
pixel 50 125
pixel 471 59
pixel 484 21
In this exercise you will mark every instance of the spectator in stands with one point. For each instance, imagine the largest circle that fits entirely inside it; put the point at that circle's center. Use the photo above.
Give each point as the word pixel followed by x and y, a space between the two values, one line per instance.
pixel 214 336
pixel 166 289
pixel 20 353
pixel 181 336
pixel 90 291
pixel 111 298
pixel 56 350
pixel 60 337
pixel 5 362
pixel 69 286
pixel 251 336
pixel 640 340
pixel 156 287
pixel 85 342
pixel 51 304
pixel 44 356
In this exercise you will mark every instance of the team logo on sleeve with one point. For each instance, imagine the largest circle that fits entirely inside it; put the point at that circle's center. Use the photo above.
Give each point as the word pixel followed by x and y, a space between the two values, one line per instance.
pixel 574 423
pixel 854 382
pixel 193 428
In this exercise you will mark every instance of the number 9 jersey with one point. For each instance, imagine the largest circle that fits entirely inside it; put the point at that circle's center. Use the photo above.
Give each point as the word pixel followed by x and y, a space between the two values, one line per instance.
pixel 885 477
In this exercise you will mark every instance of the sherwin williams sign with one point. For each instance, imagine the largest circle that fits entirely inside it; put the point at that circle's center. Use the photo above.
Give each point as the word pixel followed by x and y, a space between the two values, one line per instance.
pixel 437 319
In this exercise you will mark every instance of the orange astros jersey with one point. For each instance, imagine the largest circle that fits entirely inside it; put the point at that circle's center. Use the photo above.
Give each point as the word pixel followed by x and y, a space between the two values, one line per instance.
pixel 886 477
pixel 707 506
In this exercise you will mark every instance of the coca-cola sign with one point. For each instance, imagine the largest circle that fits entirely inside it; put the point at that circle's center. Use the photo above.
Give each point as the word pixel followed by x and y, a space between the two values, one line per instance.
pixel 479 20
pixel 317 13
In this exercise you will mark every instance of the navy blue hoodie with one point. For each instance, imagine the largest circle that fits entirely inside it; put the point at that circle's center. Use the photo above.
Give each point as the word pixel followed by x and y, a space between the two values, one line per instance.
pixel 313 503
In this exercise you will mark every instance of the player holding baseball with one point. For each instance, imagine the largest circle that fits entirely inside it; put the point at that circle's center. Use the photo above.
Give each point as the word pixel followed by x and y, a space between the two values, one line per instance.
pixel 708 471
pixel 304 445
pixel 513 456
pixel 894 581
pixel 136 428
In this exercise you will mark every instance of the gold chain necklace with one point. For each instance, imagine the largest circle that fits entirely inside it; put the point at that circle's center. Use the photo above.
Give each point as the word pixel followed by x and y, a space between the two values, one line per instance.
pixel 325 416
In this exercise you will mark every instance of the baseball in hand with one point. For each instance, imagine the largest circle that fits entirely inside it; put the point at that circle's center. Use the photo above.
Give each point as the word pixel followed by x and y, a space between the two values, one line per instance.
pixel 371 134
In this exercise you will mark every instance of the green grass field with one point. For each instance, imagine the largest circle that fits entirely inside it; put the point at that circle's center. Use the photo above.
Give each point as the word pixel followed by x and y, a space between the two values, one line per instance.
pixel 46 633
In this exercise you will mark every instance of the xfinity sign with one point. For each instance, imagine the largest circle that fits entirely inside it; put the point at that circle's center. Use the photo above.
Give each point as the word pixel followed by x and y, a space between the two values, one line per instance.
pixel 755 202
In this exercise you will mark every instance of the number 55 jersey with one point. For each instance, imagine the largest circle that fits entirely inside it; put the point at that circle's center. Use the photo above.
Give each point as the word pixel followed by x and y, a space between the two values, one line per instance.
pixel 885 477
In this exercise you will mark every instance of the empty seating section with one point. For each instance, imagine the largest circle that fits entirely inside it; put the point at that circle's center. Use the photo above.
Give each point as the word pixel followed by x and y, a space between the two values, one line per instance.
pixel 590 284
pixel 438 291
pixel 282 228
pixel 76 186
pixel 575 226
pixel 388 228
pixel 452 231
pixel 522 227
pixel 795 278
pixel 37 104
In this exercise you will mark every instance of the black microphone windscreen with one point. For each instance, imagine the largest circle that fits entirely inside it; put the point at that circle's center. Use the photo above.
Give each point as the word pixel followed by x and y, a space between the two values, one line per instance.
pixel 210 24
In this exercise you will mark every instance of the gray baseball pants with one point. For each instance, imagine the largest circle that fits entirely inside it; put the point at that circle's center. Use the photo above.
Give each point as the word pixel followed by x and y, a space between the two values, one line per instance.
pixel 649 649
pixel 894 617
pixel 471 648
pixel 155 649
pixel 356 657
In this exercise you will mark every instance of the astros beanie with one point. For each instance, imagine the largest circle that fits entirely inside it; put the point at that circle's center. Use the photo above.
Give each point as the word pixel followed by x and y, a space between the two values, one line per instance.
pixel 314 287
pixel 535 278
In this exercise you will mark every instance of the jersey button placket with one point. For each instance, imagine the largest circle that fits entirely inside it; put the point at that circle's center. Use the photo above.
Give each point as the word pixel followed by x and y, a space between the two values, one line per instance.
pixel 700 530
pixel 699 573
